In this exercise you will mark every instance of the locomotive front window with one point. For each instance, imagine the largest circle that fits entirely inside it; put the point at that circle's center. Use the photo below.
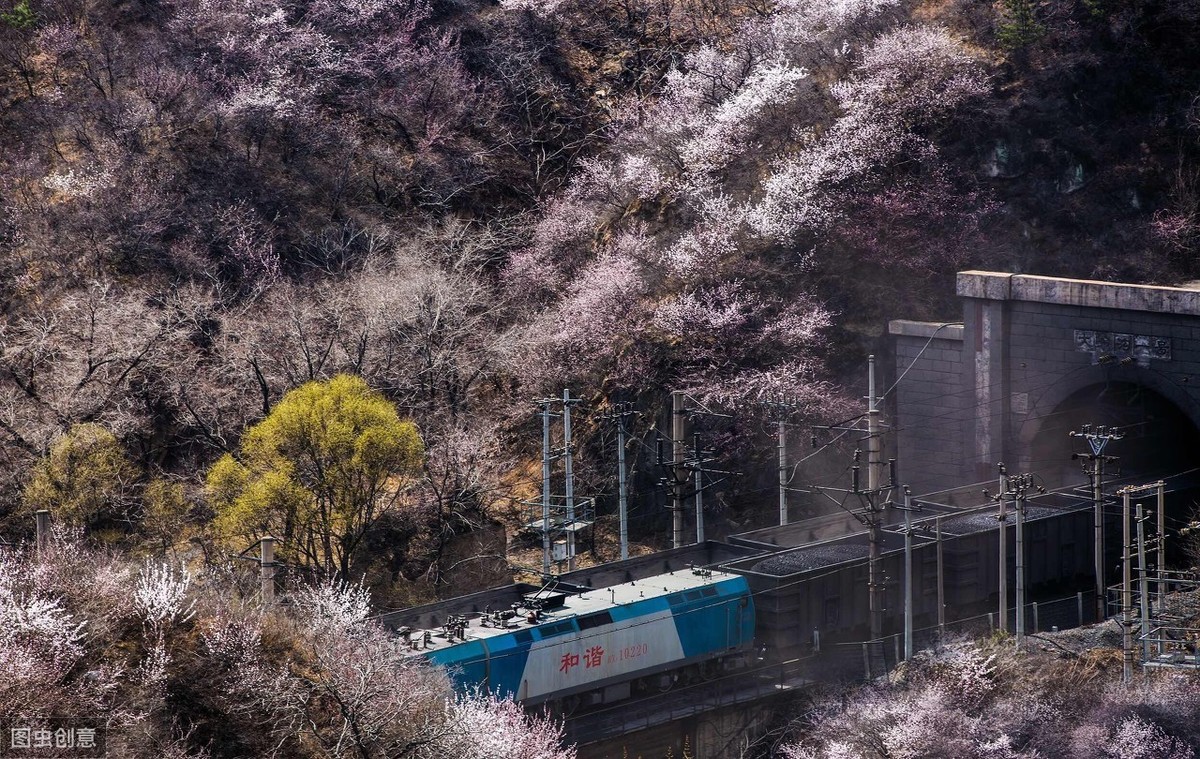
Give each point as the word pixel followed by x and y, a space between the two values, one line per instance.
pixel 595 620
pixel 562 628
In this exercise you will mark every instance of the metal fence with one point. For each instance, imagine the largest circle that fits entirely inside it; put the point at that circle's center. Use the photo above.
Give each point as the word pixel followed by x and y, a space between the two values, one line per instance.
pixel 875 658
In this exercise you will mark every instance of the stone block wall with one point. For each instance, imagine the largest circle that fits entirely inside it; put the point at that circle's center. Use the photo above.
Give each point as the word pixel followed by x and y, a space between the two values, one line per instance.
pixel 980 393
pixel 927 405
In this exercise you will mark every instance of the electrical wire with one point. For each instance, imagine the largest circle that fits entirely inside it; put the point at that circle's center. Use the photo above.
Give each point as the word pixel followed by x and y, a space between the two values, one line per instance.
pixel 955 414
pixel 636 623
pixel 833 570
pixel 918 356
pixel 961 412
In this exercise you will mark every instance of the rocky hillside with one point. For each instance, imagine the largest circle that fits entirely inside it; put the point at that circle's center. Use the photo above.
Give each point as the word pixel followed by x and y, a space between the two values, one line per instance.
pixel 207 203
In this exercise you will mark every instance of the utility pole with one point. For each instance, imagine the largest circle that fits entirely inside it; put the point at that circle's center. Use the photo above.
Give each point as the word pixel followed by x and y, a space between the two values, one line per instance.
pixel 870 515
pixel 908 577
pixel 874 449
pixel 875 504
pixel 1097 440
pixel 42 518
pixel 622 489
pixel 1016 488
pixel 1003 549
pixel 619 413
pixel 545 404
pixel 1161 546
pixel 941 589
pixel 698 466
pixel 783 509
pixel 267 568
pixel 678 474
pixel 1126 591
pixel 875 586
pixel 560 514
pixel 569 472
pixel 1020 504
pixel 699 497
pixel 783 407
pixel 1126 614
pixel 683 470
pixel 875 499
pixel 908 573
pixel 1143 583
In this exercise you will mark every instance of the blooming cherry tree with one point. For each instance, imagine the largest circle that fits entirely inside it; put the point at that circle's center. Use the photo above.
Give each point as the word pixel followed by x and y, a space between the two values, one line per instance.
pixel 757 149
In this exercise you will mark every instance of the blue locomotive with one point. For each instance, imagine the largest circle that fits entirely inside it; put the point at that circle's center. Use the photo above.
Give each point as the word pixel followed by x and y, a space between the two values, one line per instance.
pixel 599 645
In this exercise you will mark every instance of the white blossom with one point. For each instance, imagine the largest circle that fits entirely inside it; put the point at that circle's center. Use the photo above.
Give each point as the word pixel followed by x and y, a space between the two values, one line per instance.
pixel 161 594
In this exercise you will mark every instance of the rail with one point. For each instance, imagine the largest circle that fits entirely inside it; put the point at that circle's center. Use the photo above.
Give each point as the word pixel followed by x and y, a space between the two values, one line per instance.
pixel 685 700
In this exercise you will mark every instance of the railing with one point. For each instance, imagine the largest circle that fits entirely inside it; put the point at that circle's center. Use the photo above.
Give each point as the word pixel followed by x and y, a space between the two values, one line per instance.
pixel 835 662
pixel 877 657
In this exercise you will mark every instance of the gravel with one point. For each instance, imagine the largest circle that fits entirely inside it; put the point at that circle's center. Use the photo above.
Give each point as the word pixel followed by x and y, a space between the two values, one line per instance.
pixel 989 521
pixel 808 558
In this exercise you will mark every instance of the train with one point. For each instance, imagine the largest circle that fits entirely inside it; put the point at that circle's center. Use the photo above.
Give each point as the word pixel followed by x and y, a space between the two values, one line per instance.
pixel 767 598
pixel 585 647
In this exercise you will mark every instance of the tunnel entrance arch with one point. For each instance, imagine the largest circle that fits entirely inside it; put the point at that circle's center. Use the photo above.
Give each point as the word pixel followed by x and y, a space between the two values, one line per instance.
pixel 1160 440
pixel 1033 356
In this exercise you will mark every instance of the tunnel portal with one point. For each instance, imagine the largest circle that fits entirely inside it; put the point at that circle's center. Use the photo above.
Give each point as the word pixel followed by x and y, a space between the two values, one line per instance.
pixel 1156 441
pixel 1034 358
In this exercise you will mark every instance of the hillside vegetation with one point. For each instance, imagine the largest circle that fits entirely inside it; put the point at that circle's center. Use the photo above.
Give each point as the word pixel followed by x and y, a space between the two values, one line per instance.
pixel 207 204
pixel 304 267
pixel 166 663
pixel 981 699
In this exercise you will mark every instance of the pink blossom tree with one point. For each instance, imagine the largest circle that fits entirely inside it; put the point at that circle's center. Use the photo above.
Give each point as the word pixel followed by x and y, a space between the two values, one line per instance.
pixel 179 664
pixel 758 149
pixel 964 701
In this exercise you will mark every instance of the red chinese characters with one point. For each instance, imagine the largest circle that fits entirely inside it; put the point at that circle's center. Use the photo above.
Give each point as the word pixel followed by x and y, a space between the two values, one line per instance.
pixel 568 660
pixel 593 657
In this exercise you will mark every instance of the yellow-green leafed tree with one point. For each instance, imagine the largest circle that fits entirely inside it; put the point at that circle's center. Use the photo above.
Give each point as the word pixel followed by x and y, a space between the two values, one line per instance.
pixel 165 512
pixel 328 461
pixel 85 480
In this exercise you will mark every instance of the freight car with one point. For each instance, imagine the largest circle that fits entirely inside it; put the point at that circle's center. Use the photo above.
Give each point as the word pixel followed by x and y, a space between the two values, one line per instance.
pixel 601 645
pixel 584 644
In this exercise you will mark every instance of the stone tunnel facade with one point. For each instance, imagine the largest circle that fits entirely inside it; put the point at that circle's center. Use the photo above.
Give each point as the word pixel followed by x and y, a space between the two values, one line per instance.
pixel 978 392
